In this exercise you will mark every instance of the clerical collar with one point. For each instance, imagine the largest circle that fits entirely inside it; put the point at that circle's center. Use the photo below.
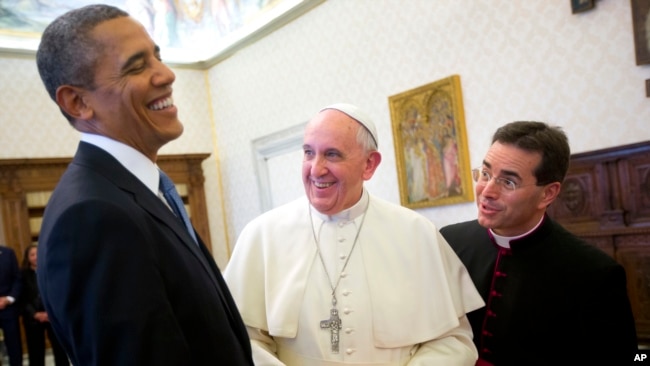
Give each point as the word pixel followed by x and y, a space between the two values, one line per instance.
pixel 504 241
pixel 348 214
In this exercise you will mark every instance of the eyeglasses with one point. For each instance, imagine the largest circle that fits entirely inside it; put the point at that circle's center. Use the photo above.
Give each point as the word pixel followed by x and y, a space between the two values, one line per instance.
pixel 482 177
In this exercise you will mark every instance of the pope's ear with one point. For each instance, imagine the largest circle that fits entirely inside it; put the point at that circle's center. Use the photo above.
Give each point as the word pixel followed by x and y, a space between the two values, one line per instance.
pixel 372 163
pixel 71 100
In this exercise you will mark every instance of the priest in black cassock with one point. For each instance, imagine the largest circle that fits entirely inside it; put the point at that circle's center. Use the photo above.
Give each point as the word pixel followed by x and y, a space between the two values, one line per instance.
pixel 551 298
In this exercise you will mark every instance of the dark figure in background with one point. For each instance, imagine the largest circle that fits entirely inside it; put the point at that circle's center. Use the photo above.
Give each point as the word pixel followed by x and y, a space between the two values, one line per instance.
pixel 35 319
pixel 10 289
pixel 124 278
pixel 552 299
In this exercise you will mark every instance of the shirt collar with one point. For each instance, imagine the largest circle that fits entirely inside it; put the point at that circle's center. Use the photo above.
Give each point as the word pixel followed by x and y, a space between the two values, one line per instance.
pixel 504 241
pixel 134 161
pixel 348 214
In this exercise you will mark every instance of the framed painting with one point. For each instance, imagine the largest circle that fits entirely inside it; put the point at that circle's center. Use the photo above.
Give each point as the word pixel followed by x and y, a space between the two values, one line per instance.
pixel 641 29
pixel 579 6
pixel 430 139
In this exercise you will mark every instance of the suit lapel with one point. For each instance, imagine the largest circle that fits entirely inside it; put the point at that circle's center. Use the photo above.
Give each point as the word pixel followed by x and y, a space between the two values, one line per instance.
pixel 100 161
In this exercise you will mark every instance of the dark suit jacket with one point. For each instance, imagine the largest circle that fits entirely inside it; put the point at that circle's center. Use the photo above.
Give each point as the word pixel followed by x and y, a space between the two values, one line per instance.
pixel 30 299
pixel 10 281
pixel 563 301
pixel 122 280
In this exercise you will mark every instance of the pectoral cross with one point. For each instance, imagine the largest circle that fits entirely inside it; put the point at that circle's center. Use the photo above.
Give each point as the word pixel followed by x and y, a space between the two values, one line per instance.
pixel 334 325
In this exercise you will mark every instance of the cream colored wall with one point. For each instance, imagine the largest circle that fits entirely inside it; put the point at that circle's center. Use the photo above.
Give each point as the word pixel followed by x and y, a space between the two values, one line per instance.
pixel 517 60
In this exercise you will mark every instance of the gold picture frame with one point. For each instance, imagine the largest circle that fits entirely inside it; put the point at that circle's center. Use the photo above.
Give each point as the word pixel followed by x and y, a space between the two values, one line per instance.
pixel 430 139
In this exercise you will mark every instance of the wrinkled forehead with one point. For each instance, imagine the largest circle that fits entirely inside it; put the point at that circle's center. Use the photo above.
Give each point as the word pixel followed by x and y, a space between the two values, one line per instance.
pixel 511 158
pixel 358 115
pixel 332 129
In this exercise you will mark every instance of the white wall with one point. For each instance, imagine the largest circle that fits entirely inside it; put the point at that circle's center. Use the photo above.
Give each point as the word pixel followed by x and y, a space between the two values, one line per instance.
pixel 516 59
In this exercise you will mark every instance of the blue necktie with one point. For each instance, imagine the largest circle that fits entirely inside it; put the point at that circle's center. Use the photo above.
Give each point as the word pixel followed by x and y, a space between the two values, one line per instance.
pixel 174 200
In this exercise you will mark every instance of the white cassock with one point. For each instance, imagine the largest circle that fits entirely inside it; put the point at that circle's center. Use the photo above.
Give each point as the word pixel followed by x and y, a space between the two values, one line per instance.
pixel 401 298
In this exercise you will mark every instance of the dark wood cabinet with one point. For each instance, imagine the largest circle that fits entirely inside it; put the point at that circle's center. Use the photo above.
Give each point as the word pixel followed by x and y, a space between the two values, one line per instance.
pixel 605 199
pixel 26 186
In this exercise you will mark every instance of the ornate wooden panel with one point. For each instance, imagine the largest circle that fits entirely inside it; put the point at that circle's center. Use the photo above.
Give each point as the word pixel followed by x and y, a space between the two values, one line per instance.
pixel 605 199
pixel 25 186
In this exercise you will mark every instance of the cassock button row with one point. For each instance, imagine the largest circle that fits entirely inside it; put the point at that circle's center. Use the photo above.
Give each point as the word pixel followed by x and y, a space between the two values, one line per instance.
pixel 487 334
pixel 346 292
pixel 349 330
pixel 500 274
pixel 491 313
pixel 486 350
pixel 350 351
pixel 341 239
pixel 342 256
pixel 342 223
pixel 344 274
pixel 495 293
pixel 347 311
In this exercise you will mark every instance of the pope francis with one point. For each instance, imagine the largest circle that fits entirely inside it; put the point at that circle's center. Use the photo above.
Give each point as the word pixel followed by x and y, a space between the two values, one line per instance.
pixel 340 276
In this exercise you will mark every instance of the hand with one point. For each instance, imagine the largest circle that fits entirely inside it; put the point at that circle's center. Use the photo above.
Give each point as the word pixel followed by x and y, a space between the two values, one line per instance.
pixel 41 316
pixel 4 302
